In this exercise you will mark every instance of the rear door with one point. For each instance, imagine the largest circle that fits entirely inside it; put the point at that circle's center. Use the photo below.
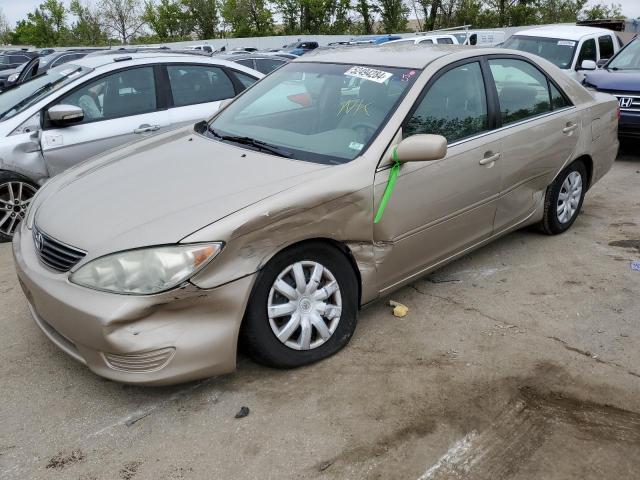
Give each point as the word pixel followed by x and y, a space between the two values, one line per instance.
pixel 119 107
pixel 195 91
pixel 540 130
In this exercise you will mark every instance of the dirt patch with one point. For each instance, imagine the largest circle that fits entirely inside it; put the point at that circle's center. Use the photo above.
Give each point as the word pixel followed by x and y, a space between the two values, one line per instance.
pixel 129 470
pixel 500 451
pixel 622 224
pixel 631 243
pixel 62 459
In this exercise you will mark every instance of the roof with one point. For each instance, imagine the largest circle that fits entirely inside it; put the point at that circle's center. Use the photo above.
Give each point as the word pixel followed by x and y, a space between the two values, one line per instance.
pixel 391 55
pixel 563 32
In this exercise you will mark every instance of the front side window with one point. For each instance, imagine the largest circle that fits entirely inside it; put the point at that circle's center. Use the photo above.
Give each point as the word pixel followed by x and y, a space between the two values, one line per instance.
pixel 555 50
pixel 19 98
pixel 523 90
pixel 628 58
pixel 121 94
pixel 426 41
pixel 605 42
pixel 319 112
pixel 587 52
pixel 191 84
pixel 445 41
pixel 455 106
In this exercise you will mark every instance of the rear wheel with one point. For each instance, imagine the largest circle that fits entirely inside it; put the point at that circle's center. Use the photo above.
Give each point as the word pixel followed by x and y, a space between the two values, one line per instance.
pixel 564 198
pixel 16 193
pixel 303 307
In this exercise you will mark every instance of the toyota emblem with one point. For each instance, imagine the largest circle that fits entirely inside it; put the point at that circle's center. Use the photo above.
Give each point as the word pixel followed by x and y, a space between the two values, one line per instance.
pixel 625 102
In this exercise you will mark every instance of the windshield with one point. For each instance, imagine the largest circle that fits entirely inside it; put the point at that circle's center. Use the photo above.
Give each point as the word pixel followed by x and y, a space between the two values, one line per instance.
pixel 627 59
pixel 557 51
pixel 17 99
pixel 325 113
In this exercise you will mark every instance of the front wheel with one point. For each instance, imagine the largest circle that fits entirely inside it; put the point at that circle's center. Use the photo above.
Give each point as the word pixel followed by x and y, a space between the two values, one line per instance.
pixel 303 307
pixel 564 198
pixel 16 193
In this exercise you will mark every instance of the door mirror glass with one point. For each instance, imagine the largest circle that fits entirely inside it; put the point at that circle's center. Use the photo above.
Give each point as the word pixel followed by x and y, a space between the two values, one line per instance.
pixel 588 65
pixel 63 115
pixel 422 148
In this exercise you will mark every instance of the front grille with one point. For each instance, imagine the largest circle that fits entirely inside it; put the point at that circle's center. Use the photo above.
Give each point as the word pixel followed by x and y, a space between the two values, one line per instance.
pixel 140 362
pixel 628 101
pixel 54 254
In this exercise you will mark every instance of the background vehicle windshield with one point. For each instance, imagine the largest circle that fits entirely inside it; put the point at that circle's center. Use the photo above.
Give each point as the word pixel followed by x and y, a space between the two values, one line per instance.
pixel 326 113
pixel 557 51
pixel 15 100
pixel 627 59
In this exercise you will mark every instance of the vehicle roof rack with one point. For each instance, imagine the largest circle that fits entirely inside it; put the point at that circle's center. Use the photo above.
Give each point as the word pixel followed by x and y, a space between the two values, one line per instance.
pixel 122 59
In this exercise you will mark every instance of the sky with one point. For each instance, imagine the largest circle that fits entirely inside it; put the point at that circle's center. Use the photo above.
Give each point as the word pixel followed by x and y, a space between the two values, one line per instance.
pixel 17 9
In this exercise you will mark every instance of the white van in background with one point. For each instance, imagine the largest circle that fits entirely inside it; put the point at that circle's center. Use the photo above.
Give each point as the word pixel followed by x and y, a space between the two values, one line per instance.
pixel 441 39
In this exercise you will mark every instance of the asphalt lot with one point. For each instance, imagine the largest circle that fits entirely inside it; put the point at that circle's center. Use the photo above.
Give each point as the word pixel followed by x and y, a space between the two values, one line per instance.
pixel 519 361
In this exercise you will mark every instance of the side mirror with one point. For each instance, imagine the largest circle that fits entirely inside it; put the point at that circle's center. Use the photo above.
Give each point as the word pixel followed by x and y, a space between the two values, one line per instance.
pixel 588 65
pixel 422 148
pixel 63 115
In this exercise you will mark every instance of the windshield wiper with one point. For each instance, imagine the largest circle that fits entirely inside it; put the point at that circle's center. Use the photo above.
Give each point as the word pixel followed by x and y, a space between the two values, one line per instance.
pixel 37 92
pixel 252 142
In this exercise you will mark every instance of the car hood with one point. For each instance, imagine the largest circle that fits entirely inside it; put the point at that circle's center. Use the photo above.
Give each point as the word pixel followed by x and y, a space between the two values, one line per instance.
pixel 160 190
pixel 614 80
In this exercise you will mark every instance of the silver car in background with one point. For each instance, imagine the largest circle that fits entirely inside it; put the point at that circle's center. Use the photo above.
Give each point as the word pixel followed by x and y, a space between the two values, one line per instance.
pixel 91 105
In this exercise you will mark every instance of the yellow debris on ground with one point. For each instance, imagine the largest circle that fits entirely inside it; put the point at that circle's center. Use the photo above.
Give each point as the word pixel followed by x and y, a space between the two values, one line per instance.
pixel 399 310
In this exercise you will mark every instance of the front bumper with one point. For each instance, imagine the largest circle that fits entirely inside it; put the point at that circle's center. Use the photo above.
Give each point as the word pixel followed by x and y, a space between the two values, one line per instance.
pixel 173 337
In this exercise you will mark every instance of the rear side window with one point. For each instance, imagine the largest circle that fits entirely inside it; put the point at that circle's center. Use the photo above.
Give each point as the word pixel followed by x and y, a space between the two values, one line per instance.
pixel 121 94
pixel 587 51
pixel 428 40
pixel 445 41
pixel 192 84
pixel 455 106
pixel 248 62
pixel 605 42
pixel 267 65
pixel 557 99
pixel 523 90
pixel 244 79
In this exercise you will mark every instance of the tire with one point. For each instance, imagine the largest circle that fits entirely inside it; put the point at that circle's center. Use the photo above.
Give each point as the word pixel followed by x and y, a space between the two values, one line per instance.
pixel 16 193
pixel 559 214
pixel 258 332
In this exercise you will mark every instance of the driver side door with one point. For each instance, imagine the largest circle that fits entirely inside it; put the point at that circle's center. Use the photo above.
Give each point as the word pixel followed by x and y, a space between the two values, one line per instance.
pixel 120 107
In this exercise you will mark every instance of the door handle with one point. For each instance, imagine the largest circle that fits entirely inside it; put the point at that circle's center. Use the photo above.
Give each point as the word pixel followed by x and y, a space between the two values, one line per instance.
pixel 570 127
pixel 145 127
pixel 489 158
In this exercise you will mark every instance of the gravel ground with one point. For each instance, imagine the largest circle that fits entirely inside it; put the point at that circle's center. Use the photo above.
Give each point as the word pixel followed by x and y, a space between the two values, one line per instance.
pixel 518 361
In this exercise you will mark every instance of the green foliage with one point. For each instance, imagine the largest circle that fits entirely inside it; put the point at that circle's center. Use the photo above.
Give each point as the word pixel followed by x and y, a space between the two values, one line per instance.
pixel 602 11
pixel 247 18
pixel 159 21
pixel 169 20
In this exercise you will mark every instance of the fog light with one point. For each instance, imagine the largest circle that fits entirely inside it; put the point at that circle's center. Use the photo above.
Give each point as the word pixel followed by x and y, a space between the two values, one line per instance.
pixel 144 362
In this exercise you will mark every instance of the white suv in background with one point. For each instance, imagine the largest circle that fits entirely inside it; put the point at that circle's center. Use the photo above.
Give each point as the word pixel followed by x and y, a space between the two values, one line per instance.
pixel 571 48
pixel 441 39
pixel 90 105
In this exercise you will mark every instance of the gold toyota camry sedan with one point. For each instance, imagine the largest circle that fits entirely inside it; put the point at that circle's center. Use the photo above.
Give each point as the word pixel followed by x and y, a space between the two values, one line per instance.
pixel 333 181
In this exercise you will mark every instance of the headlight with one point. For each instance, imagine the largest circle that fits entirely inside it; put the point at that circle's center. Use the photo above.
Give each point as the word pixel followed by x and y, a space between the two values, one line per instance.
pixel 13 77
pixel 146 271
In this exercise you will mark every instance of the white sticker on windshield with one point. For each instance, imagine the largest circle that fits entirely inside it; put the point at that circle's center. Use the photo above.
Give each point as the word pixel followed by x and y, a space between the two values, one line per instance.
pixel 566 43
pixel 356 146
pixel 378 76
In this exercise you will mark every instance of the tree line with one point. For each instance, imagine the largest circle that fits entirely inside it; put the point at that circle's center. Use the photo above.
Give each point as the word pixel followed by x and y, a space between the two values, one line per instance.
pixel 102 22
